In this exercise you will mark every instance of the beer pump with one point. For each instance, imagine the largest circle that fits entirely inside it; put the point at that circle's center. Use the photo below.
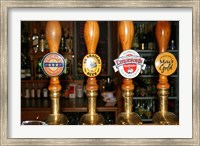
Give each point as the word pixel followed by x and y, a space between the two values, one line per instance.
pixel 53 65
pixel 91 67
pixel 128 70
pixel 166 65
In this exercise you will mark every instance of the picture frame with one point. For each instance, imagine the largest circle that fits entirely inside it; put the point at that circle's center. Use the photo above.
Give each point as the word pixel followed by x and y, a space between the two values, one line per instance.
pixel 4 91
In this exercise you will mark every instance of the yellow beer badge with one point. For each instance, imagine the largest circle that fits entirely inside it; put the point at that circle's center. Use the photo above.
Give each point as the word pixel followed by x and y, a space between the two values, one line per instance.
pixel 91 65
pixel 166 63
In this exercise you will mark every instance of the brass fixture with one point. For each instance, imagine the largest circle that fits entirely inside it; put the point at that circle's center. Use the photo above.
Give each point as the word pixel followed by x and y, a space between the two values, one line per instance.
pixel 53 35
pixel 163 117
pixel 126 35
pixel 91 68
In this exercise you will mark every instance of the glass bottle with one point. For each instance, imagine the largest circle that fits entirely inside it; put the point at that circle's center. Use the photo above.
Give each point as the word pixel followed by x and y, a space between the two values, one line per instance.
pixel 35 41
pixel 39 72
pixel 67 42
pixel 42 45
pixel 172 93
pixel 45 92
pixel 38 91
pixel 135 44
pixel 62 41
pixel 143 43
pixel 33 91
pixel 27 91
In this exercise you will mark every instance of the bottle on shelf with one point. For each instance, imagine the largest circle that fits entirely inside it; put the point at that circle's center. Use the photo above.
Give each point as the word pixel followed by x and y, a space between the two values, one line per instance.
pixel 79 91
pixel 172 89
pixel 33 91
pixel 172 42
pixel 42 44
pixel 152 67
pixel 62 41
pixel 39 72
pixel 109 86
pixel 151 41
pixel 27 91
pixel 172 45
pixel 38 91
pixel 45 92
pixel 23 66
pixel 64 76
pixel 135 44
pixel 148 66
pixel 143 38
pixel 68 42
pixel 35 41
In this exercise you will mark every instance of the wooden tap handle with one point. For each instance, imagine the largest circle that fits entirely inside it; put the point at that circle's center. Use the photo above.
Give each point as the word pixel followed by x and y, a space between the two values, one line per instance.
pixel 53 35
pixel 163 31
pixel 91 36
pixel 126 34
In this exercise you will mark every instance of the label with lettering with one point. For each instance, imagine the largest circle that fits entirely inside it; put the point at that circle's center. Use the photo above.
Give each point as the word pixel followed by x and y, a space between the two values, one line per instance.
pixel 53 64
pixel 129 64
pixel 166 63
pixel 91 65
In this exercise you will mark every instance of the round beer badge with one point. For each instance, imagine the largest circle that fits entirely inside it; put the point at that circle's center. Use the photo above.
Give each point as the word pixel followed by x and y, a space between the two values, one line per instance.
pixel 53 64
pixel 166 63
pixel 129 64
pixel 91 65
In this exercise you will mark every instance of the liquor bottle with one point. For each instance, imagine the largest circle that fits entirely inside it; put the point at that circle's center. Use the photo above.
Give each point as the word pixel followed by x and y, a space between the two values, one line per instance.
pixel 67 42
pixel 109 86
pixel 66 70
pixel 143 43
pixel 135 44
pixel 35 41
pixel 38 91
pixel 172 89
pixel 27 91
pixel 151 41
pixel 172 44
pixel 45 92
pixel 23 66
pixel 152 70
pixel 33 91
pixel 39 73
pixel 62 42
pixel 148 66
pixel 42 45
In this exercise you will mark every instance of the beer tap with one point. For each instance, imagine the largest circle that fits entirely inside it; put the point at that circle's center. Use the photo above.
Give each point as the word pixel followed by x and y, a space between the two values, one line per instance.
pixel 166 65
pixel 53 65
pixel 126 35
pixel 91 67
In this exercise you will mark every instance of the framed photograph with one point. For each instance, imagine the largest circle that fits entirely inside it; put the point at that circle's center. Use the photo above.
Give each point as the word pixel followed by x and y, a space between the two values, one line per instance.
pixel 186 12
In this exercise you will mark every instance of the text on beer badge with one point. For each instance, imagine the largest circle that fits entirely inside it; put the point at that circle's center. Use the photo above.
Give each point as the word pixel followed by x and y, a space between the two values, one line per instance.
pixel 53 64
pixel 129 64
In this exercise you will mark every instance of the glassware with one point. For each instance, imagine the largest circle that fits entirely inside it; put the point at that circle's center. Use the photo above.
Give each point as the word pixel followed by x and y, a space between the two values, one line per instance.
pixel 33 122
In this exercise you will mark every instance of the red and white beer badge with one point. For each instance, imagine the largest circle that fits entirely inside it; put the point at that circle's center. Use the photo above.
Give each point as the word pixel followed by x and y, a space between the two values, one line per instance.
pixel 53 64
pixel 129 64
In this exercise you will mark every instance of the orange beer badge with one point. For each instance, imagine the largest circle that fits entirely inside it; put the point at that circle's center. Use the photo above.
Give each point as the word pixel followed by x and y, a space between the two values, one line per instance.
pixel 91 65
pixel 166 63
pixel 53 64
pixel 129 64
